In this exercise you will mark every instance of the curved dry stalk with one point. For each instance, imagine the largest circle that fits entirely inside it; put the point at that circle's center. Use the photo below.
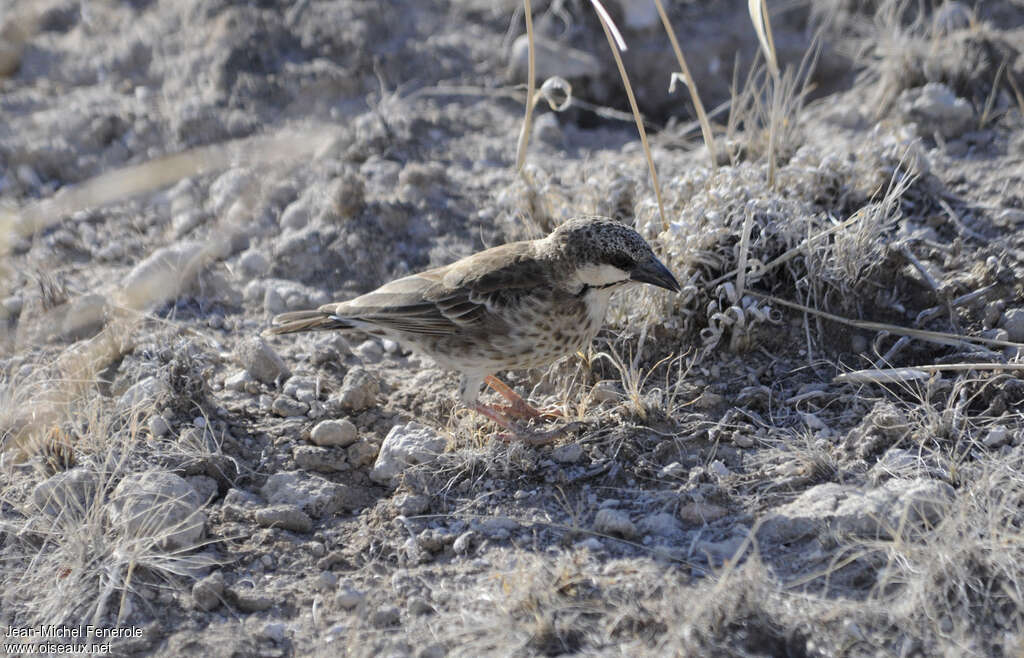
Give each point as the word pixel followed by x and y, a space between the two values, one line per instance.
pixel 691 84
pixel 524 135
pixel 615 43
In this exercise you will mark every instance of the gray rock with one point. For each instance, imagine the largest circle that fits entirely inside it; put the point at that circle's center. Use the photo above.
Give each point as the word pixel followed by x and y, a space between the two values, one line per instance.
pixel 412 504
pixel 301 388
pixel 260 360
pixel 239 381
pixel 241 497
pixel 662 524
pixel 313 494
pixel 406 445
pixel 348 598
pixel 613 522
pixel 369 351
pixel 157 505
pixel 250 600
pixel 142 394
pixel 362 453
pixel 273 631
pixel 288 517
pixel 936 109
pixel 297 214
pixel 1009 218
pixel 464 543
pixel 288 407
pixel 253 263
pixel 334 433
pixel 997 437
pixel 358 391
pixel 158 426
pixel 1013 322
pixel 324 460
pixel 718 469
pixel 569 453
pixel 326 580
pixel 206 487
pixel 896 463
pixel 208 592
pixel 847 509
pixel 69 492
pixel 280 295
pixel 420 606
pixel 388 615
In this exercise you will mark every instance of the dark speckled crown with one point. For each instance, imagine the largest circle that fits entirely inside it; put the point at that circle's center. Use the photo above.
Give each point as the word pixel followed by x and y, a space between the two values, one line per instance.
pixel 601 240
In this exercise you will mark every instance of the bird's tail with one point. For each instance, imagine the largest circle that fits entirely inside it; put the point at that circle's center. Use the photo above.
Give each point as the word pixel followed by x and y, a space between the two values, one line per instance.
pixel 289 323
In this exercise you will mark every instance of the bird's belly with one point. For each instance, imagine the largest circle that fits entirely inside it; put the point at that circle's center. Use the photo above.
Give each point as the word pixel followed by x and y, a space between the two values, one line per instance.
pixel 534 335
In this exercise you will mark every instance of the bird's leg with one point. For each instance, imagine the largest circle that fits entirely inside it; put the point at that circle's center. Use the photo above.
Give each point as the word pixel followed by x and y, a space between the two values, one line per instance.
pixel 519 407
pixel 529 438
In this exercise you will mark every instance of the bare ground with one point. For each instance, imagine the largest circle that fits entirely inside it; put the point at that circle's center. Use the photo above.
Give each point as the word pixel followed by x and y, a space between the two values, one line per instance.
pixel 165 470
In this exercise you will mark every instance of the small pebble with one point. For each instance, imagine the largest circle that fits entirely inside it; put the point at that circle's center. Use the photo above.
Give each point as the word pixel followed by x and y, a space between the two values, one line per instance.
pixel 610 521
pixel 207 592
pixel 463 543
pixel 743 441
pixel 718 469
pixel 1013 322
pixel 288 517
pixel 341 433
pixel 387 616
pixel 326 580
pixel 287 407
pixel 569 453
pixel 348 598
pixel 158 426
pixel 362 453
pixel 273 631
pixel 997 437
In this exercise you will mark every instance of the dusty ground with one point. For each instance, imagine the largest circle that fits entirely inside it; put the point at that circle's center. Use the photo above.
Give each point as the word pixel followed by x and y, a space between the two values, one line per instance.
pixel 166 469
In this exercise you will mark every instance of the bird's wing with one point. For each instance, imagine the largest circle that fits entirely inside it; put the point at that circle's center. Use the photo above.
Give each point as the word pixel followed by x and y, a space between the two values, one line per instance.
pixel 450 298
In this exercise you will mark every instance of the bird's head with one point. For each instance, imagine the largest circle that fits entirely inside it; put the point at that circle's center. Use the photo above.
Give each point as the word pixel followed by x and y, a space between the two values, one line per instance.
pixel 602 253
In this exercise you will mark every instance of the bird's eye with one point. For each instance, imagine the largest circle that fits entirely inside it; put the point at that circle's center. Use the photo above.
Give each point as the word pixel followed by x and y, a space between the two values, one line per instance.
pixel 623 262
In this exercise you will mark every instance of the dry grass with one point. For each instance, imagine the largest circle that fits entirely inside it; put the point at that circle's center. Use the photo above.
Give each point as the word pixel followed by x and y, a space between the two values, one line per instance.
pixel 70 565
pixel 818 228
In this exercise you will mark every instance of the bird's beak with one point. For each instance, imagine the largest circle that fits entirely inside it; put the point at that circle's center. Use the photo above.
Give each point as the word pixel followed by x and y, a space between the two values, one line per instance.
pixel 654 272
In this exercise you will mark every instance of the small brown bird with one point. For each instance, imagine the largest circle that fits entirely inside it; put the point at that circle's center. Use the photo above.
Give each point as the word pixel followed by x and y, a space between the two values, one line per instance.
pixel 521 305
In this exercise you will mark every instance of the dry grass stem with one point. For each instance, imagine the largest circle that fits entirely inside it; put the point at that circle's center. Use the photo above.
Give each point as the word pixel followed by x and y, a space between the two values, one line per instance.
pixel 691 84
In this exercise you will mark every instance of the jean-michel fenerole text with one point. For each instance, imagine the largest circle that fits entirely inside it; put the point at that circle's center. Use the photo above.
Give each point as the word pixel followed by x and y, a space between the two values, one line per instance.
pixel 51 631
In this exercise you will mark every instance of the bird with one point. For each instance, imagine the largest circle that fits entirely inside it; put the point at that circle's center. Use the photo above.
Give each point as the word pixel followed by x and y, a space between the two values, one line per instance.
pixel 516 306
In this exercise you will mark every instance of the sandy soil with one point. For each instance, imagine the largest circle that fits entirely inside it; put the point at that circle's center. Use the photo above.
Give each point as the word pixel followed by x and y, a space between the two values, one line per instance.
pixel 173 174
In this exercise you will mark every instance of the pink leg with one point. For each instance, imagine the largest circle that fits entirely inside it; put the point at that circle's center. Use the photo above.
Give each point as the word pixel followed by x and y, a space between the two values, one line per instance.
pixel 519 407
pixel 529 438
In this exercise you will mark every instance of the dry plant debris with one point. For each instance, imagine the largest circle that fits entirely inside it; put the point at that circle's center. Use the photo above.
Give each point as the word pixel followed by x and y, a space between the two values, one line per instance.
pixel 816 448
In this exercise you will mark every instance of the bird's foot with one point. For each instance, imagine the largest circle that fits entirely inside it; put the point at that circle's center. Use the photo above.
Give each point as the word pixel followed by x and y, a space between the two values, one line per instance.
pixel 529 437
pixel 536 438
pixel 518 407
